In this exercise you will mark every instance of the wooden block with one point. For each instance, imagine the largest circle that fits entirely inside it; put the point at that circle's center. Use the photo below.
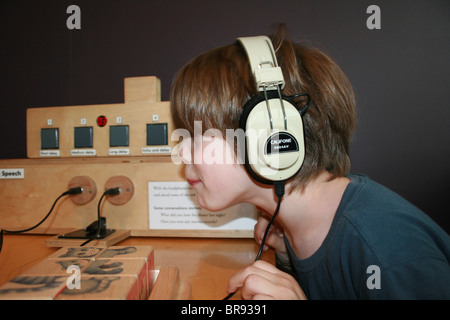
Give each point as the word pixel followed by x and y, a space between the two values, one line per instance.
pixel 136 268
pixel 70 253
pixel 185 291
pixel 142 89
pixel 144 253
pixel 127 252
pixel 114 273
pixel 167 284
pixel 103 287
pixel 56 267
pixel 38 287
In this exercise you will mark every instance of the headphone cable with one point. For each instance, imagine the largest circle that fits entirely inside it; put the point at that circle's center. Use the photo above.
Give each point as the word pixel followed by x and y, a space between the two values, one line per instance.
pixel 110 192
pixel 279 192
pixel 71 191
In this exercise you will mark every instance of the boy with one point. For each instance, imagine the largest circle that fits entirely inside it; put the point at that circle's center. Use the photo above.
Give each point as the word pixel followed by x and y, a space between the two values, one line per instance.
pixel 336 236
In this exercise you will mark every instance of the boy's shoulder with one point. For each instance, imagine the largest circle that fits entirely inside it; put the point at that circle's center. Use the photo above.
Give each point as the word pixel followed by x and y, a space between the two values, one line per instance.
pixel 393 228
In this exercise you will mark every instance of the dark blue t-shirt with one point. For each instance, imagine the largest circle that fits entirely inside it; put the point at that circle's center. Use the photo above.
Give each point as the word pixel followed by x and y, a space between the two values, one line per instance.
pixel 379 246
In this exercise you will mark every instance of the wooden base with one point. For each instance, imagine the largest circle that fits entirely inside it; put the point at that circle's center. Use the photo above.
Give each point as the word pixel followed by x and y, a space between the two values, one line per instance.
pixel 168 285
pixel 110 240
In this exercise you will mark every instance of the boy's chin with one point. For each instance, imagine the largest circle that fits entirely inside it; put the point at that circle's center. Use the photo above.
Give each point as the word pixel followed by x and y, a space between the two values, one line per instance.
pixel 211 206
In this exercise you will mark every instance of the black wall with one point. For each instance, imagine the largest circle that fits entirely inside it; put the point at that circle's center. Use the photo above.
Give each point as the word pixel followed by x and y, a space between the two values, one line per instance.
pixel 401 72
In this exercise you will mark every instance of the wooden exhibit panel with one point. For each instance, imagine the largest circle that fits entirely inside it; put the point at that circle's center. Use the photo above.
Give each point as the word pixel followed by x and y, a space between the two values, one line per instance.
pixel 142 107
pixel 27 200
pixel 139 168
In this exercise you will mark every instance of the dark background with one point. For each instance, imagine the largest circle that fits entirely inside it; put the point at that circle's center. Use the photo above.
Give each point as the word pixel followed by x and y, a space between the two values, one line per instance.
pixel 400 73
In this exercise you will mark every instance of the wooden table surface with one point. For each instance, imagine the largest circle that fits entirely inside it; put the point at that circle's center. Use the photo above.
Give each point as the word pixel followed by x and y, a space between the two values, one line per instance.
pixel 206 263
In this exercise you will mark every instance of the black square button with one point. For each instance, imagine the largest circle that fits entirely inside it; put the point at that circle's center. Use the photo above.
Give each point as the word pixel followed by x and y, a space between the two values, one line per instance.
pixel 84 137
pixel 50 138
pixel 118 136
pixel 157 134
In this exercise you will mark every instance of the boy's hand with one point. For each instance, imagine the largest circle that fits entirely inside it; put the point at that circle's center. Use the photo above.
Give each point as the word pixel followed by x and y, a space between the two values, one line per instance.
pixel 261 280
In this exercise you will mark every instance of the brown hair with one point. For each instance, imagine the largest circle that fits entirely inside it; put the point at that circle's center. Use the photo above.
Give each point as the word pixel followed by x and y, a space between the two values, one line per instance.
pixel 214 87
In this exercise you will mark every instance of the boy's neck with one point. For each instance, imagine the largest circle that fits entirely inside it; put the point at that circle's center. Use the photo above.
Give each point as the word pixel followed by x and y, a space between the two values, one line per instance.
pixel 307 216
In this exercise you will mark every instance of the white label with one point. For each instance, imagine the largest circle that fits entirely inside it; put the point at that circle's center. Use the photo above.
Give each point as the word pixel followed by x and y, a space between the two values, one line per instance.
pixel 118 119
pixel 83 152
pixel 49 122
pixel 156 150
pixel 119 152
pixel 49 153
pixel 83 121
pixel 12 173
pixel 172 205
pixel 155 117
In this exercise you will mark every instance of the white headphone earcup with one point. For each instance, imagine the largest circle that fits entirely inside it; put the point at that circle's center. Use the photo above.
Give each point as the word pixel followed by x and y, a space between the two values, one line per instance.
pixel 273 154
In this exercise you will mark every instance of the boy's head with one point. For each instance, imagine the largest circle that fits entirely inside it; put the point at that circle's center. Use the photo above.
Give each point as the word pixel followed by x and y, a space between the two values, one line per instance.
pixel 214 87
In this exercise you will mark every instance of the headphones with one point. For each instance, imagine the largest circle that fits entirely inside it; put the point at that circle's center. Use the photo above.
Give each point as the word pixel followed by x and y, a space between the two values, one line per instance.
pixel 273 126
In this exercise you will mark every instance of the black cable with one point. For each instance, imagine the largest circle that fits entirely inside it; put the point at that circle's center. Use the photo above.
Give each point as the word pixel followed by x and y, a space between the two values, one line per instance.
pixel 308 101
pixel 267 230
pixel 71 191
pixel 111 192
pixel 279 192
pixel 1 240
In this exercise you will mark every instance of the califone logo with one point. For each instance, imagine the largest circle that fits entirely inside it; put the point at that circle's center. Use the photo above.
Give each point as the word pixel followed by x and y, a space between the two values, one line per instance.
pixel 281 142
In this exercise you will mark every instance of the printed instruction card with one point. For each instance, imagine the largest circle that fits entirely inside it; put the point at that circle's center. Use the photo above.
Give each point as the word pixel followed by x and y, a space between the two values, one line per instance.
pixel 173 205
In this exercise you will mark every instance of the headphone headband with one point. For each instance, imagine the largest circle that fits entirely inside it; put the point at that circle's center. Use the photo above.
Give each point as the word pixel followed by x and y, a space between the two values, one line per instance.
pixel 263 62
